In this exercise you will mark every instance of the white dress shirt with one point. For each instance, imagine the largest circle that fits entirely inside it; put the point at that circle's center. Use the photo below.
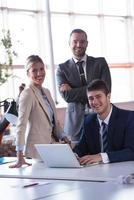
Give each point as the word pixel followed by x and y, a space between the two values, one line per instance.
pixel 104 156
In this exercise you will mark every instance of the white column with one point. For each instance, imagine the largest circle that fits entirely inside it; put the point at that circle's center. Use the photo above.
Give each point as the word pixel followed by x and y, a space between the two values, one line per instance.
pixel 51 57
pixel 130 42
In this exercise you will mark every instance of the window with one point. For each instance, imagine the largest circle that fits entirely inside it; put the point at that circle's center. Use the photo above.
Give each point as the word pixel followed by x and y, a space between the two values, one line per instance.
pixel 116 40
pixel 115 7
pixel 86 6
pixel 24 32
pixel 109 26
pixel 28 5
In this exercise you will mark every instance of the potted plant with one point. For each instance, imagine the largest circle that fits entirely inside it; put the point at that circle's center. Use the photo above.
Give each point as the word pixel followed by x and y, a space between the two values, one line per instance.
pixel 8 54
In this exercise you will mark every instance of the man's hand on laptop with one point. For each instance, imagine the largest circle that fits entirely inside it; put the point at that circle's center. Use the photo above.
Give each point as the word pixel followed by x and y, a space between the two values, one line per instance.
pixel 90 159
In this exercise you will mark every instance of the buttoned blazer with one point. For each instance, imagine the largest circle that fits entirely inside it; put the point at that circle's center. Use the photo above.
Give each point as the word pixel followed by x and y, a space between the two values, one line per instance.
pixel 120 136
pixel 34 125
pixel 96 68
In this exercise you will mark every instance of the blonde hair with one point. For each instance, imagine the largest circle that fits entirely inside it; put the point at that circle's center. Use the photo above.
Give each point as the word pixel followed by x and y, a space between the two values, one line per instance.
pixel 33 59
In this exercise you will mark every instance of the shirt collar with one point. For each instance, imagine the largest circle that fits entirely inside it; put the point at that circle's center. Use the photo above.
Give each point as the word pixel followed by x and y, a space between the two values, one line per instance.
pixel 82 59
pixel 106 120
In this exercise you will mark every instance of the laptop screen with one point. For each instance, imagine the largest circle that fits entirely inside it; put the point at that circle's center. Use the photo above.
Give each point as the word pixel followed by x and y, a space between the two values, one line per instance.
pixel 57 155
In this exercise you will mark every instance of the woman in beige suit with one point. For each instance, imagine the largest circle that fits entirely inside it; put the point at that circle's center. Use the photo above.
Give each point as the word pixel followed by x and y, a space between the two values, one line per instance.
pixel 37 121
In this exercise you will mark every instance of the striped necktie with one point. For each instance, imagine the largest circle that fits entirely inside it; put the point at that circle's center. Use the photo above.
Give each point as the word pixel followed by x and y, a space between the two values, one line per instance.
pixel 81 72
pixel 104 136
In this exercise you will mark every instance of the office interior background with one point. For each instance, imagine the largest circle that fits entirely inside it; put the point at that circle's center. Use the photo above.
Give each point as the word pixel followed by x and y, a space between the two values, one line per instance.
pixel 43 26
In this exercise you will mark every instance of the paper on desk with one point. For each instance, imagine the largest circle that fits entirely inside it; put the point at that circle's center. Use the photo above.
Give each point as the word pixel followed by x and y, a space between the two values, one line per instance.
pixel 4 160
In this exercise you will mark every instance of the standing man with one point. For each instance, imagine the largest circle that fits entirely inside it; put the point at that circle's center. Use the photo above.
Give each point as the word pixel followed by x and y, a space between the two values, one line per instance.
pixel 108 134
pixel 73 77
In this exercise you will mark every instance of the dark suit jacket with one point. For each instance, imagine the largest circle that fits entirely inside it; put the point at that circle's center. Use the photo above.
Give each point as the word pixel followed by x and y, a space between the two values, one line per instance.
pixel 120 136
pixel 96 68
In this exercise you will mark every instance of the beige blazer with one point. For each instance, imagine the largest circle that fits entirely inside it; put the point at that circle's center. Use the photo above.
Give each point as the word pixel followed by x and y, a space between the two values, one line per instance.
pixel 34 124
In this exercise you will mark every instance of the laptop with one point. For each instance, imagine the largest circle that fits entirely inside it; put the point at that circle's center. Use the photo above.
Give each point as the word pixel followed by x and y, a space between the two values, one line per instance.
pixel 57 155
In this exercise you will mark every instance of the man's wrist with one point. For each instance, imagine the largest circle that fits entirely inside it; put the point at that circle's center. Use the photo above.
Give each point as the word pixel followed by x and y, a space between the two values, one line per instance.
pixel 105 158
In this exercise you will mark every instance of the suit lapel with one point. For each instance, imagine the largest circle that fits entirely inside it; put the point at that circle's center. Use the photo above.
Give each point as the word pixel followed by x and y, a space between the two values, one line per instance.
pixel 40 100
pixel 112 125
pixel 89 69
pixel 97 135
pixel 74 72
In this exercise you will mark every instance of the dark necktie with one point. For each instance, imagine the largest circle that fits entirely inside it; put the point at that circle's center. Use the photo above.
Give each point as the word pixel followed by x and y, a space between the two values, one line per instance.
pixel 81 72
pixel 104 136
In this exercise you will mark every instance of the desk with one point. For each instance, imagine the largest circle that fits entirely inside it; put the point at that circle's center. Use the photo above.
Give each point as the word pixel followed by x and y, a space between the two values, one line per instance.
pixel 64 190
pixel 13 189
pixel 101 172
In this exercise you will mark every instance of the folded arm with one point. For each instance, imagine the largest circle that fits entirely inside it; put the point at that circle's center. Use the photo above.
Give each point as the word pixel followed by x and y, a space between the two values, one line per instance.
pixel 69 90
pixel 70 94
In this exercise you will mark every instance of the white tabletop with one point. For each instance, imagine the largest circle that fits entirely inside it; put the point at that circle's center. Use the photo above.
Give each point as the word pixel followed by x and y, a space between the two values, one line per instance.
pixel 97 191
pixel 100 172
pixel 13 189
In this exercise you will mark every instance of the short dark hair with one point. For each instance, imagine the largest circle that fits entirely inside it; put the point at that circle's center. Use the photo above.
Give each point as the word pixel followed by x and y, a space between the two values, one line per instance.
pixel 98 84
pixel 78 31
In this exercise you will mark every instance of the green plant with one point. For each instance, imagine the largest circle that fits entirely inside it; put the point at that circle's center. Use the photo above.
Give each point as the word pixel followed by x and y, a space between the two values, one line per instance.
pixel 8 54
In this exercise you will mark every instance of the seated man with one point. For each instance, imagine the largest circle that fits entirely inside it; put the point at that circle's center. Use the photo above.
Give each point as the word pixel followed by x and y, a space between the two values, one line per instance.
pixel 108 134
